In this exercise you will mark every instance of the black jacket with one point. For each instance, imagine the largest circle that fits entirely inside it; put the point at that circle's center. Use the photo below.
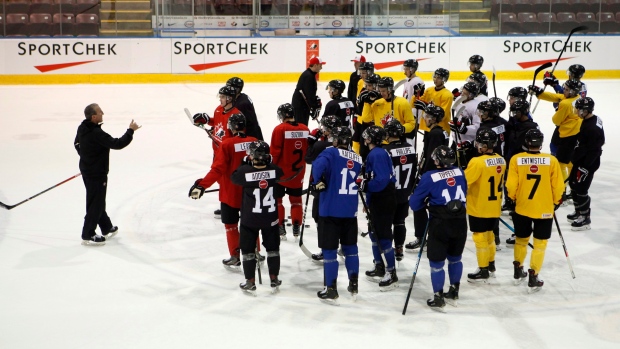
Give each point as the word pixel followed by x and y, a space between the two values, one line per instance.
pixel 246 107
pixel 515 134
pixel 591 139
pixel 306 83
pixel 93 145
pixel 352 89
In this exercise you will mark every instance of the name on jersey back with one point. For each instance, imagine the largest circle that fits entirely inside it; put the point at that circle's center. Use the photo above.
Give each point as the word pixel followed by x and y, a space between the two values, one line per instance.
pixel 257 176
pixel 534 161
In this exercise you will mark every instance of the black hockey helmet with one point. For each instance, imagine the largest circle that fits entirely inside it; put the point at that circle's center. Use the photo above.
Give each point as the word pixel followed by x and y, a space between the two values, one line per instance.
pixel 576 71
pixel 372 79
pixel 487 108
pixel 259 152
pixel 235 82
pixel 573 85
pixel 498 103
pixel 486 137
pixel 328 122
pixel 478 78
pixel 585 104
pixel 367 66
pixel 236 122
pixel 394 128
pixel 286 111
pixel 387 82
pixel 444 155
pixel 342 135
pixel 337 85
pixel 517 92
pixel 522 107
pixel 476 59
pixel 442 72
pixel 472 88
pixel 411 63
pixel 228 91
pixel 435 112
pixel 374 134
pixel 534 138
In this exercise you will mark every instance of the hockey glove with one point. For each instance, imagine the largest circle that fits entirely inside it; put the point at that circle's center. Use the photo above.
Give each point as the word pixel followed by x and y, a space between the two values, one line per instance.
pixel 581 174
pixel 318 187
pixel 196 191
pixel 371 96
pixel 314 136
pixel 558 205
pixel 456 93
pixel 418 89
pixel 201 119
pixel 362 184
pixel 460 126
pixel 534 90
pixel 550 79
pixel 420 105
pixel 319 103
pixel 465 145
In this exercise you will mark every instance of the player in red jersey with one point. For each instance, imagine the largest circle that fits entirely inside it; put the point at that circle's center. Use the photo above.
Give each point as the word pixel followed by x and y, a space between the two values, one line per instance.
pixel 289 144
pixel 228 158
pixel 219 121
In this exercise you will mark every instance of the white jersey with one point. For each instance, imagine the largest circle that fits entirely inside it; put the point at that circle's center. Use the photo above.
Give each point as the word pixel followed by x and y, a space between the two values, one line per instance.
pixel 408 92
pixel 470 116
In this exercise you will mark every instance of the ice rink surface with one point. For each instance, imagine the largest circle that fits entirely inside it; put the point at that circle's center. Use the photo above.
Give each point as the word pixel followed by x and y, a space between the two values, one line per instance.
pixel 160 282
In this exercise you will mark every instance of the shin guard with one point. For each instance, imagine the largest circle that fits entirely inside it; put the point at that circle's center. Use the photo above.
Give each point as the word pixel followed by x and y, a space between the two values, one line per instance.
pixel 482 249
pixel 455 269
pixel 438 275
pixel 490 235
pixel 296 209
pixel 538 255
pixel 232 238
pixel 520 249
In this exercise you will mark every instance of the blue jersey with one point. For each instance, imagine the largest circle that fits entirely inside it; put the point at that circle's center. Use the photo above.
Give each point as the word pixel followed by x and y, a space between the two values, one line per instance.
pixel 379 170
pixel 440 187
pixel 338 169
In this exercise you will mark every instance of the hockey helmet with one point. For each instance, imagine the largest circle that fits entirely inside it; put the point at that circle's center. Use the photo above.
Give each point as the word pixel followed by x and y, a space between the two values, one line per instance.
pixel 478 77
pixel 477 60
pixel 435 112
pixel 522 107
pixel 374 135
pixel 576 71
pixel 517 92
pixel 444 155
pixel 472 87
pixel 498 103
pixel 286 111
pixel 586 104
pixel 342 135
pixel 235 82
pixel 534 138
pixel 369 66
pixel 236 122
pixel 394 128
pixel 387 82
pixel 443 73
pixel 259 152
pixel 574 86
pixel 337 85
pixel 328 122
pixel 486 137
pixel 372 79
pixel 411 63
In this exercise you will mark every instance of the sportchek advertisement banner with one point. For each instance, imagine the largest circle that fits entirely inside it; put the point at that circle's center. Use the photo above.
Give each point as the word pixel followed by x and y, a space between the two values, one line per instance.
pixel 289 55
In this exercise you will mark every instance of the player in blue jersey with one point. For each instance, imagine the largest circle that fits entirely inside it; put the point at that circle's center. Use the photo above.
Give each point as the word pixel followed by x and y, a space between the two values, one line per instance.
pixel 404 161
pixel 379 183
pixel 446 190
pixel 334 173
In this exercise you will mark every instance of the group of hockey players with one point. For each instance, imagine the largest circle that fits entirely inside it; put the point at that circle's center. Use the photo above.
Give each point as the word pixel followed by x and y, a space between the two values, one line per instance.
pixel 474 166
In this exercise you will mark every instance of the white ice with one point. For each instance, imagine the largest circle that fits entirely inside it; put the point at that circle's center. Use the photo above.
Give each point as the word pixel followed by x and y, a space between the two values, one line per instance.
pixel 160 283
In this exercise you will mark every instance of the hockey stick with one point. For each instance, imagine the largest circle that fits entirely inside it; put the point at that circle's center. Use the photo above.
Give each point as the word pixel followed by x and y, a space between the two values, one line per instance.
pixel 399 84
pixel 457 136
pixel 513 230
pixel 538 70
pixel 191 119
pixel 372 228
pixel 291 177
pixel 316 111
pixel 570 265
pixel 260 274
pixel 415 270
pixel 494 89
pixel 303 247
pixel 10 207
pixel 576 29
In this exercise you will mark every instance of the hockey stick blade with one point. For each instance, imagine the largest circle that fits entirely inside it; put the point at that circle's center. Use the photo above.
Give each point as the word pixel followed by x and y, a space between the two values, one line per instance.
pixel 303 247
pixel 513 230
pixel 10 207
pixel 538 70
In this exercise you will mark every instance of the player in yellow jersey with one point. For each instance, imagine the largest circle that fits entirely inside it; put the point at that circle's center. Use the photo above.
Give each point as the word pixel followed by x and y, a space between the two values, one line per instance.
pixel 485 175
pixel 388 107
pixel 566 121
pixel 367 97
pixel 535 184
pixel 439 96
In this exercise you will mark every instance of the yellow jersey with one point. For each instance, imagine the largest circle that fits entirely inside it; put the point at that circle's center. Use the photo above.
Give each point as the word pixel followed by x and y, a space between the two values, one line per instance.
pixel 535 183
pixel 565 117
pixel 442 98
pixel 380 112
pixel 485 183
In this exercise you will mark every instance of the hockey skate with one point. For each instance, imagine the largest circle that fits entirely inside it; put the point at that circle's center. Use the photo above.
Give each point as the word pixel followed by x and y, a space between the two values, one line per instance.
pixel 534 283
pixel 275 285
pixel 437 303
pixel 296 230
pixel 453 295
pixel 96 240
pixel 572 216
pixel 480 276
pixel 510 242
pixel 376 274
pixel 498 247
pixel 217 213
pixel 565 199
pixel 414 246
pixel 317 257
pixel 233 264
pixel 398 253
pixel 248 287
pixel 520 274
pixel 282 233
pixel 352 288
pixel 329 295
pixel 389 281
pixel 110 234
pixel 581 223
pixel 492 269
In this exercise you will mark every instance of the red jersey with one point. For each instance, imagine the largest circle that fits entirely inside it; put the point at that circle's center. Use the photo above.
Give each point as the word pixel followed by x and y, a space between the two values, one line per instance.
pixel 228 158
pixel 219 122
pixel 289 144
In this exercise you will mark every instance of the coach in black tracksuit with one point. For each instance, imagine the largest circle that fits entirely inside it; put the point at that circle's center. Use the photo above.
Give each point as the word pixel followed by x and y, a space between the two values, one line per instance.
pixel 93 145
pixel 307 84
